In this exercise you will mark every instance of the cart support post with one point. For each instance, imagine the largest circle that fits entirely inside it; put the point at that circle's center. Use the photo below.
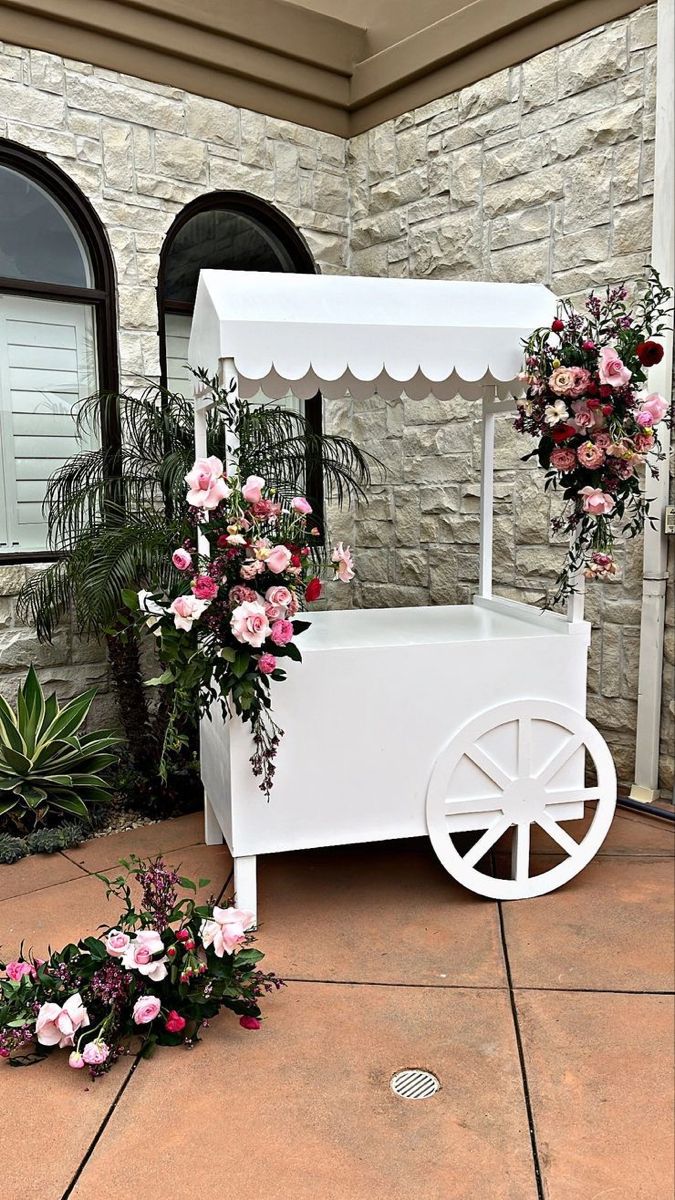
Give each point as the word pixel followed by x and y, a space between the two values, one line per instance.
pixel 229 380
pixel 487 467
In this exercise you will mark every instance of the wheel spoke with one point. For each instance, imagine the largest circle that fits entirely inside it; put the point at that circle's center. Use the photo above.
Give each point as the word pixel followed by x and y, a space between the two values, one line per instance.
pixel 525 747
pixel 486 842
pixel 481 804
pixel 520 853
pixel 559 835
pixel 559 759
pixel 567 795
pixel 488 766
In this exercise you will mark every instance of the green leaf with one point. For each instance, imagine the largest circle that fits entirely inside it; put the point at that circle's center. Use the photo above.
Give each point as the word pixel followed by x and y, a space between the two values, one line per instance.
pixel 16 760
pixel 71 717
pixel 130 599
pixel 248 956
pixel 204 883
pixel 188 884
pixel 228 653
pixel 71 804
pixel 7 805
pixel 95 947
pixel 159 680
pixel 241 663
pixel 9 731
pixel 34 796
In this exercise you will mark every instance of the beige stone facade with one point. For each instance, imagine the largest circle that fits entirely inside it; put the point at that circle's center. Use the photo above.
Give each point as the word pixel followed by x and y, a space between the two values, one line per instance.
pixel 541 172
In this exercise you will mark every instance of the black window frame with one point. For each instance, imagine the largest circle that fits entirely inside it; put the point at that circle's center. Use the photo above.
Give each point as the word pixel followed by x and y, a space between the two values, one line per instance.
pixel 303 264
pixel 101 296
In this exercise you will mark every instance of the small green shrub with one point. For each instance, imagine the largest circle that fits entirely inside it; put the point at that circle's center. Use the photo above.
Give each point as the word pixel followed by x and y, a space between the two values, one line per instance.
pixel 12 848
pixel 44 763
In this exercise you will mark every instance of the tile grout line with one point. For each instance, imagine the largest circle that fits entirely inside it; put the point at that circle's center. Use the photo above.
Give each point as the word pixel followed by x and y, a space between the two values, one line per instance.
pixel 102 1128
pixel 521 1059
pixel 484 987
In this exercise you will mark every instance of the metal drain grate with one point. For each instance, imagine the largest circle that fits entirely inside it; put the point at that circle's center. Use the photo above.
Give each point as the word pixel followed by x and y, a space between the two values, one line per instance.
pixel 414 1084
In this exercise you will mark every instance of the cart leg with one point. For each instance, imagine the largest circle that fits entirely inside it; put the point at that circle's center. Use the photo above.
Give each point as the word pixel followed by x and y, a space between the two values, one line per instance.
pixel 245 885
pixel 213 834
pixel 520 853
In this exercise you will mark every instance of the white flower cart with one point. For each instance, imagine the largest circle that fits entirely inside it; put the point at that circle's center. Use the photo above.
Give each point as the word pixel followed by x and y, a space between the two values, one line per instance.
pixel 401 722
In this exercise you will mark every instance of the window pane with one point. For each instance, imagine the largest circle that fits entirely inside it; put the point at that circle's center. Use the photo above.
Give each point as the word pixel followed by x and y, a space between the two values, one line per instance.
pixel 47 364
pixel 220 240
pixel 38 242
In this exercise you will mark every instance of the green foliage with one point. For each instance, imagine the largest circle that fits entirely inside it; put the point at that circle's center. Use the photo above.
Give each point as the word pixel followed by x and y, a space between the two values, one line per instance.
pixel 44 763
pixel 12 848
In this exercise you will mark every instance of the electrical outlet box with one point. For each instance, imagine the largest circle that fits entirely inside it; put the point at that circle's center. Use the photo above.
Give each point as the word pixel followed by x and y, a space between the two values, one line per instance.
pixel 669 525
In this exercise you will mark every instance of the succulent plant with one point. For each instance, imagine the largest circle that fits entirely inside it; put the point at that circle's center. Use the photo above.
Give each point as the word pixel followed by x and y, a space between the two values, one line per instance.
pixel 44 763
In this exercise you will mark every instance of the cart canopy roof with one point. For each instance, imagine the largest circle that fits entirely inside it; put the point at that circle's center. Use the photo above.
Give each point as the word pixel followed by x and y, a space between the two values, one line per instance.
pixel 338 334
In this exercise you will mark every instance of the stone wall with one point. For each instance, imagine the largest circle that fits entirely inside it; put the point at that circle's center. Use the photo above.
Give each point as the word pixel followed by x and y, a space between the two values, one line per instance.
pixel 540 172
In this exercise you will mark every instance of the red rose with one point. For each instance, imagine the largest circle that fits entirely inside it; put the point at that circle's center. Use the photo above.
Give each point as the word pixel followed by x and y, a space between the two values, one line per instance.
pixel 607 409
pixel 313 590
pixel 649 353
pixel 222 541
pixel 560 433
pixel 557 326
pixel 174 1022
pixel 296 561
pixel 606 391
pixel 249 1022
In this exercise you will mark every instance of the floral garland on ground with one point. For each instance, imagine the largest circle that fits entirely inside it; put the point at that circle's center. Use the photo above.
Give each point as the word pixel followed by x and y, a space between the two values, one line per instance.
pixel 160 974
pixel 586 403
pixel 227 636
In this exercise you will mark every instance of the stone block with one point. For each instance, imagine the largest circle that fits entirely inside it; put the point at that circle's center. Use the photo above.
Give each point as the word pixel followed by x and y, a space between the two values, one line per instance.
pixel 117 154
pixel 642 28
pixel 32 106
pixel 180 157
pixel 393 193
pixel 451 246
pixel 381 152
pixel 528 263
pixel 20 649
pixel 451 468
pixel 580 249
pixel 539 79
pixel 534 188
pixel 558 112
pixel 46 72
pixel 439 499
pixel 384 227
pixel 600 59
pixel 442 576
pixel 12 580
pixel 138 105
pixel 587 191
pixel 138 307
pixel 211 120
pixel 391 595
pixel 604 128
pixel 484 96
pixel 513 158
pixel 633 228
pixel 466 176
pixel 373 566
pixel 412 567
pixel 527 225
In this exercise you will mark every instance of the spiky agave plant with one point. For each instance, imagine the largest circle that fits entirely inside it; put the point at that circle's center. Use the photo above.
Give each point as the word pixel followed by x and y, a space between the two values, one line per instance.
pixel 44 763
pixel 114 516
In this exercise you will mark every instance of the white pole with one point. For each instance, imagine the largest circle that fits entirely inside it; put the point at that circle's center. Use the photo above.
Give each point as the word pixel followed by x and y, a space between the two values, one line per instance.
pixel 655 575
pixel 487 467
pixel 229 379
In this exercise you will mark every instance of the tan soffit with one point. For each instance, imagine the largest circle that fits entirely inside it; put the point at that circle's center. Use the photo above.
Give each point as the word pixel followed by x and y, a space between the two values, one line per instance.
pixel 298 61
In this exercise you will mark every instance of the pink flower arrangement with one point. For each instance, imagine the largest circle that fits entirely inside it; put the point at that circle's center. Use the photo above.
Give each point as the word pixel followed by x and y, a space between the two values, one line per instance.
pixel 204 587
pixel 584 404
pixel 206 484
pixel 181 559
pixel 249 623
pixel 57 1024
pixel 186 610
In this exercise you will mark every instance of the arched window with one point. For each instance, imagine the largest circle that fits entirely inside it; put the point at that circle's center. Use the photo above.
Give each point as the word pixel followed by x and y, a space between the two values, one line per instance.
pixel 57 337
pixel 226 231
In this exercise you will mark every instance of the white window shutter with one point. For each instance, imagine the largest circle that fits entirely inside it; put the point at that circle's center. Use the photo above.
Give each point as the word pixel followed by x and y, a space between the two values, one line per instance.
pixel 47 364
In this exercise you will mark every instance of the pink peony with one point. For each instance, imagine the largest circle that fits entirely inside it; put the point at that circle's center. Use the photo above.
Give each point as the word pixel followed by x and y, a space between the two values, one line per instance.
pixel 278 559
pixel 266 664
pixel 590 455
pixel 16 970
pixel 563 460
pixel 249 623
pixel 206 485
pixel 596 502
pixel 57 1024
pixel 95 1053
pixel 146 1009
pixel 562 380
pixel 226 930
pixel 139 953
pixel 187 609
pixel 204 587
pixel 249 1022
pixel 611 369
pixel 300 505
pixel 252 489
pixel 116 943
pixel 181 559
pixel 344 563
pixel 281 632
pixel 75 1060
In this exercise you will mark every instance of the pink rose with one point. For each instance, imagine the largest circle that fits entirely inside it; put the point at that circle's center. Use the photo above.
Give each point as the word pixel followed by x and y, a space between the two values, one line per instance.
pixel 249 623
pixel 181 559
pixel 146 1009
pixel 266 664
pixel 57 1024
pixel 344 564
pixel 207 487
pixel 279 596
pixel 16 970
pixel 563 460
pixel 590 455
pixel 226 930
pixel 204 587
pixel 252 489
pixel 278 559
pixel 603 440
pixel 249 570
pixel 584 417
pixel 187 609
pixel 656 406
pixel 596 502
pixel 281 632
pixel 139 955
pixel 611 369
pixel 116 943
pixel 95 1053
pixel 300 505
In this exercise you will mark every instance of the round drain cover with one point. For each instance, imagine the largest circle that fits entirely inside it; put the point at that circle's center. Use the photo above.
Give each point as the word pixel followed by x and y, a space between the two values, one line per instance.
pixel 414 1084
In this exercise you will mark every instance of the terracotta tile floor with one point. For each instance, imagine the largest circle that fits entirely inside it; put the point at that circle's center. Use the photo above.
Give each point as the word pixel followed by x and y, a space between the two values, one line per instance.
pixel 549 1023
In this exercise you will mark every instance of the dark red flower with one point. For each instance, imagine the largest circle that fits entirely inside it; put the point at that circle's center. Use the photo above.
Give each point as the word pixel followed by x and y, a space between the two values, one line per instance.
pixel 557 326
pixel 249 1022
pixel 313 590
pixel 222 541
pixel 606 391
pixel 174 1022
pixel 560 433
pixel 296 561
pixel 649 353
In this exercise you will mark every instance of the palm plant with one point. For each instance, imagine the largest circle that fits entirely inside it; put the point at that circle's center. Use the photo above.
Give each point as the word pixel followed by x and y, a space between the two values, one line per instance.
pixel 114 514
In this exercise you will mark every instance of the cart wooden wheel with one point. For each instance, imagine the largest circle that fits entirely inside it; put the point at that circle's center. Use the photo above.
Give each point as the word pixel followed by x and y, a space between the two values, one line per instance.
pixel 515 766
